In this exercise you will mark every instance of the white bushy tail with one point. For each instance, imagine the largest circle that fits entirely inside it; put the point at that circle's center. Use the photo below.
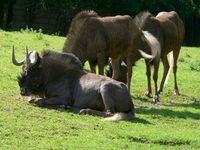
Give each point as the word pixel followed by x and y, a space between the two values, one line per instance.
pixel 154 45
pixel 171 64
pixel 121 116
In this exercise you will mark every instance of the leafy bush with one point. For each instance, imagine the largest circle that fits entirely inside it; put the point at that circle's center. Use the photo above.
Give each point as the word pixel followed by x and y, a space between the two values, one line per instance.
pixel 183 7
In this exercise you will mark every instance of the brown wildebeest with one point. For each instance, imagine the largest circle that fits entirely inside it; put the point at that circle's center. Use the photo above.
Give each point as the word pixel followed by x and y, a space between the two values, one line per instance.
pixel 155 62
pixel 96 38
pixel 59 78
pixel 169 29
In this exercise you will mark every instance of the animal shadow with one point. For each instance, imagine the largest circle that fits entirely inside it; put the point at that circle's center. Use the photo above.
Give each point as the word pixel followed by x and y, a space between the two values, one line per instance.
pixel 168 113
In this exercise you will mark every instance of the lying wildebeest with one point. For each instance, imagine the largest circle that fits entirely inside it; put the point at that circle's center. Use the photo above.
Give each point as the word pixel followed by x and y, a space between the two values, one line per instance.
pixel 59 78
pixel 96 38
pixel 169 29
pixel 155 62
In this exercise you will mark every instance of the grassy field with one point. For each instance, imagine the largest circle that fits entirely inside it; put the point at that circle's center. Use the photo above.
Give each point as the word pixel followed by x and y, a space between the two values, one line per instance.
pixel 174 123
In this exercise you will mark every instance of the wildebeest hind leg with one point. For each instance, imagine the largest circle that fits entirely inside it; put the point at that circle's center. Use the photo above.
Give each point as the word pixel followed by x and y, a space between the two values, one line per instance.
pixel 148 74
pixel 175 55
pixel 106 91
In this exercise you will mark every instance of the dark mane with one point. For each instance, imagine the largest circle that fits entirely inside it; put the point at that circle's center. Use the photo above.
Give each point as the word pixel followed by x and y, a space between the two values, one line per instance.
pixel 64 61
pixel 84 14
pixel 141 18
pixel 58 65
pixel 76 26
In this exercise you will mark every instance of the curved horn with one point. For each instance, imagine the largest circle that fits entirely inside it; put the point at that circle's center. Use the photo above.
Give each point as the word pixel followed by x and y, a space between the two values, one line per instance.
pixel 15 62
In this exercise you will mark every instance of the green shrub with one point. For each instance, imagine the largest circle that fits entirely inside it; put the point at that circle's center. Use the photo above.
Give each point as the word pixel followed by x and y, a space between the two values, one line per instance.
pixel 181 59
pixel 195 66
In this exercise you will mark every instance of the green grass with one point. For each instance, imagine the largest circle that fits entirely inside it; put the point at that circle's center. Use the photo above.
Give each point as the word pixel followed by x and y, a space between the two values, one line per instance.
pixel 174 123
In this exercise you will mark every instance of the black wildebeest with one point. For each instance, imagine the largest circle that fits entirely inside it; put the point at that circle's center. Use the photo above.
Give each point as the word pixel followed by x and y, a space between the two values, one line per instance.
pixel 169 29
pixel 59 78
pixel 96 38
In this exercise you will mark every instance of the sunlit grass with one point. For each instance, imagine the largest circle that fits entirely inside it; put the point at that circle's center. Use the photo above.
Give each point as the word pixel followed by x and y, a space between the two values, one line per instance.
pixel 174 123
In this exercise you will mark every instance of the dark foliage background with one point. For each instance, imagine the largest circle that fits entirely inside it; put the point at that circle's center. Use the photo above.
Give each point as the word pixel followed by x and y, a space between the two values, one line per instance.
pixel 54 16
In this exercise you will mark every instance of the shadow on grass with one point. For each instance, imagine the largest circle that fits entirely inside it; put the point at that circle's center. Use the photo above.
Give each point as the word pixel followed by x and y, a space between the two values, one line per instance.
pixel 143 99
pixel 76 112
pixel 169 113
pixel 194 105
pixel 139 120
pixel 191 102
pixel 175 142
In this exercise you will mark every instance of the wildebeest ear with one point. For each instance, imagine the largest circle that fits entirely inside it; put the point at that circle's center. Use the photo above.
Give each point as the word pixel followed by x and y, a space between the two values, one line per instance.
pixel 33 57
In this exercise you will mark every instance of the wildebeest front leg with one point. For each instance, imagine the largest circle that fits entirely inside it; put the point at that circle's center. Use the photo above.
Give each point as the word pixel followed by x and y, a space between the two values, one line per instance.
pixel 129 72
pixel 95 112
pixel 116 68
pixel 92 67
pixel 52 101
pixel 101 62
pixel 31 99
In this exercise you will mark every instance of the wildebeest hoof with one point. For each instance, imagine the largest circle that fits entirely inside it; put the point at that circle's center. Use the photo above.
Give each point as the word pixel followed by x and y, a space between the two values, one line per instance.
pixel 159 91
pixel 39 103
pixel 147 93
pixel 83 112
pixel 176 92
pixel 109 114
pixel 155 99
pixel 32 101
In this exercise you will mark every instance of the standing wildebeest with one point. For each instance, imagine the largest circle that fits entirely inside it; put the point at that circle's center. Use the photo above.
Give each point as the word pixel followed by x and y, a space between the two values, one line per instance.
pixel 96 38
pixel 155 62
pixel 59 79
pixel 169 29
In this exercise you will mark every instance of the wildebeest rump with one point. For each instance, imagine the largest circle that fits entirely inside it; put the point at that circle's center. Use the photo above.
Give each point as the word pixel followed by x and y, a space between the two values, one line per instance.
pixel 169 29
pixel 96 38
pixel 60 79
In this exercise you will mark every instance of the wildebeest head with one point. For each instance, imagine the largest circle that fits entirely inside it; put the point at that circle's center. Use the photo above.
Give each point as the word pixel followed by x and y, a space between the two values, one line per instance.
pixel 30 83
pixel 30 79
pixel 49 67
